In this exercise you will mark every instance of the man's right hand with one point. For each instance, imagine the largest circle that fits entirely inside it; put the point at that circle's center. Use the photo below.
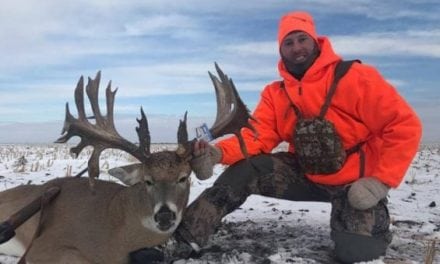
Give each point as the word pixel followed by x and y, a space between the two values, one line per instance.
pixel 205 157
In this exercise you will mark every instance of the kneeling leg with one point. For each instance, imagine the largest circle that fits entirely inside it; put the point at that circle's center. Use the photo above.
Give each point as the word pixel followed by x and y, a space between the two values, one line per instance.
pixel 359 235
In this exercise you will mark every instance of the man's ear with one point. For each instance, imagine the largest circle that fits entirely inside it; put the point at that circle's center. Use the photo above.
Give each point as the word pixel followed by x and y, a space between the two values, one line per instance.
pixel 128 174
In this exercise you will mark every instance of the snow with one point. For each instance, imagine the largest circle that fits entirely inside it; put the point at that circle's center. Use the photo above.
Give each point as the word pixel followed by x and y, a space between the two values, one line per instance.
pixel 262 230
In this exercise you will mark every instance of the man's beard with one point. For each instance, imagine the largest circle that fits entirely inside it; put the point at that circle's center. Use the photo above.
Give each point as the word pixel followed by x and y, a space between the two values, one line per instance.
pixel 298 69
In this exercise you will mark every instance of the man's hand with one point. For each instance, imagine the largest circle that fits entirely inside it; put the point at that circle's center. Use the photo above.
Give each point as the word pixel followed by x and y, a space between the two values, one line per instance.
pixel 205 157
pixel 366 193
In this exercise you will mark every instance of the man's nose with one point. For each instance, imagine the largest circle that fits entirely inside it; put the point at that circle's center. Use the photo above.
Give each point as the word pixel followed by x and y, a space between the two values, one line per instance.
pixel 296 46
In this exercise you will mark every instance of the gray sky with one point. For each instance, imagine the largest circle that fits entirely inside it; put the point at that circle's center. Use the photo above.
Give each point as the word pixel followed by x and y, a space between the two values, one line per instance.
pixel 158 54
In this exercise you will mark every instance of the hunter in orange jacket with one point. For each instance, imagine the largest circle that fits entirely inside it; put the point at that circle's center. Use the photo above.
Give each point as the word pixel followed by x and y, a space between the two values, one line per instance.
pixel 365 108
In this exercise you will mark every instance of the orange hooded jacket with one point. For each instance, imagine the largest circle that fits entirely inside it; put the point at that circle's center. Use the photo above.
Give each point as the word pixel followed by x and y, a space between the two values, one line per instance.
pixel 365 108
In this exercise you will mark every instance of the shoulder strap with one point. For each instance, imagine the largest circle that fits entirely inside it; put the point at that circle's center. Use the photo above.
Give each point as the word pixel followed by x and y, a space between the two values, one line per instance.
pixel 295 108
pixel 340 70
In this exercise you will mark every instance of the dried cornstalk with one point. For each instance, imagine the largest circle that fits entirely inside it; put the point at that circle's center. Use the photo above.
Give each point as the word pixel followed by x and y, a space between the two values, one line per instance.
pixel 430 253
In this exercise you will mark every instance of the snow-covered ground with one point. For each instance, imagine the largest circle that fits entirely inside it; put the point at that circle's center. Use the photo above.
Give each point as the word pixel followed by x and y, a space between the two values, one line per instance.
pixel 263 230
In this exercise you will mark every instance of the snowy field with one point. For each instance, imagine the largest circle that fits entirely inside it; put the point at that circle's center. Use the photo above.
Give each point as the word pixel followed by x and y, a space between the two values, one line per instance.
pixel 263 230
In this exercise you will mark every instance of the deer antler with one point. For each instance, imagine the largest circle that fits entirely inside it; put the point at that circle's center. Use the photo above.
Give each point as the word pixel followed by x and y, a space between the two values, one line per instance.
pixel 232 113
pixel 102 134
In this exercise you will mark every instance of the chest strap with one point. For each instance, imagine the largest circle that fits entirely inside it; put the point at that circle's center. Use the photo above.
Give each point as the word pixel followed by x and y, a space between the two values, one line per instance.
pixel 341 69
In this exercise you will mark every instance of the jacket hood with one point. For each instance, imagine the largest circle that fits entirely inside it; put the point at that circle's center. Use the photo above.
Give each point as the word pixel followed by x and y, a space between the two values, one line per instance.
pixel 326 57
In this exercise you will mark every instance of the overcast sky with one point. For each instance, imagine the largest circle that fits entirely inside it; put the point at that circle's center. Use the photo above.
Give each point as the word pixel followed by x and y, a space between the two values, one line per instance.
pixel 158 53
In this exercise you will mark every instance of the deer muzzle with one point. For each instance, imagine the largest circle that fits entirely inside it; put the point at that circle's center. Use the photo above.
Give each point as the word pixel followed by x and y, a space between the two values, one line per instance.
pixel 165 218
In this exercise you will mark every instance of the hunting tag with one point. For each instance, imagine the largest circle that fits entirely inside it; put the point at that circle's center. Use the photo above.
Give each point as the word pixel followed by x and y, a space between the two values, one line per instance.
pixel 202 132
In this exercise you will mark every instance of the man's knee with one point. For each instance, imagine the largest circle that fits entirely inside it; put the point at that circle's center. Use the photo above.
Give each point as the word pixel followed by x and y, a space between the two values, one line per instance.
pixel 351 247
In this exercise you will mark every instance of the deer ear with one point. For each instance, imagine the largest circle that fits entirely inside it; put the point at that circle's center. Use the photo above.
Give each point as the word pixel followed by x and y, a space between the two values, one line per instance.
pixel 185 150
pixel 129 174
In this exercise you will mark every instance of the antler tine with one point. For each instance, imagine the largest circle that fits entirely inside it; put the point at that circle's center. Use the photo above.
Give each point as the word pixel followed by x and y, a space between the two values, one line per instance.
pixel 182 133
pixel 184 146
pixel 92 90
pixel 79 99
pixel 102 134
pixel 143 134
pixel 110 95
pixel 232 113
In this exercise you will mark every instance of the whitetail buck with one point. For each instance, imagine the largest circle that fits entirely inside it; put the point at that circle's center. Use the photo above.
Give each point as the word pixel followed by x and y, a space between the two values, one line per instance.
pixel 95 221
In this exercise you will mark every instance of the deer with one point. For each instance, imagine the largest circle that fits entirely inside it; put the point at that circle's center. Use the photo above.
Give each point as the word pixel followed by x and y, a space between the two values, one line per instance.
pixel 89 220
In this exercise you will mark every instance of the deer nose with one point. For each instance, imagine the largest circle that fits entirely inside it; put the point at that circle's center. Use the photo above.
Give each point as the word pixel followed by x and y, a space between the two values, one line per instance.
pixel 165 218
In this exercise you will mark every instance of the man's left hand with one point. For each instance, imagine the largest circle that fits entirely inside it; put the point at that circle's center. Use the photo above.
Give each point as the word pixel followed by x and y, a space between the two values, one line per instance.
pixel 205 157
pixel 366 193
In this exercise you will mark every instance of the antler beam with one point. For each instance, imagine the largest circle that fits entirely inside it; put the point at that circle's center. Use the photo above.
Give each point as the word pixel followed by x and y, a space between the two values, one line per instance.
pixel 232 113
pixel 102 134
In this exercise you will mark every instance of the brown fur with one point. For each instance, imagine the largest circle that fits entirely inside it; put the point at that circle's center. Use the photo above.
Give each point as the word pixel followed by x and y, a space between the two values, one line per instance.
pixel 82 227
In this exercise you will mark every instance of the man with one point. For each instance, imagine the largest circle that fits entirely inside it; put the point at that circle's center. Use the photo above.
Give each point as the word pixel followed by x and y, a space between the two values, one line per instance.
pixel 376 127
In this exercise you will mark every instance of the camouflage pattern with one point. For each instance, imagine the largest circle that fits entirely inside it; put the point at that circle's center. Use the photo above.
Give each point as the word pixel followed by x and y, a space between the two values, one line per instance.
pixel 277 175
pixel 359 235
pixel 318 146
pixel 371 222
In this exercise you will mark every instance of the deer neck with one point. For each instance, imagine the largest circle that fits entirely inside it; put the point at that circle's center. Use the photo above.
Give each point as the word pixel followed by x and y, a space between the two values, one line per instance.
pixel 127 204
pixel 128 208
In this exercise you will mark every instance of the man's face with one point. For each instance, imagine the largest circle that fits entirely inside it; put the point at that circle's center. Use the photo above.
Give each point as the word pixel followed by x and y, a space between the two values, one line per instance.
pixel 298 50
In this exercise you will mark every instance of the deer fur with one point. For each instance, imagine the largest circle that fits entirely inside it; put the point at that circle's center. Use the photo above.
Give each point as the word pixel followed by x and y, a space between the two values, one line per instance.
pixel 101 227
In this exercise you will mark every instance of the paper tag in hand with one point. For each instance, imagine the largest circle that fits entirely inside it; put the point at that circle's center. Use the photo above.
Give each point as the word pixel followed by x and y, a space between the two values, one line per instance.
pixel 202 132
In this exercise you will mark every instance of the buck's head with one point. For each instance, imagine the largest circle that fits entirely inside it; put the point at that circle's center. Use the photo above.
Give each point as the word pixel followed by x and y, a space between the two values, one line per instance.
pixel 162 177
pixel 165 182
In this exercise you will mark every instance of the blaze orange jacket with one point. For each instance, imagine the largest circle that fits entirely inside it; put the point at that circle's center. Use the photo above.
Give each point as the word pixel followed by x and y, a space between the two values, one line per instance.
pixel 365 108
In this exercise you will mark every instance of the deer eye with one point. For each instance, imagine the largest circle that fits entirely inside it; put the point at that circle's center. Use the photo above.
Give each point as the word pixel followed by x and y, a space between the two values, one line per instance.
pixel 182 180
pixel 149 183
